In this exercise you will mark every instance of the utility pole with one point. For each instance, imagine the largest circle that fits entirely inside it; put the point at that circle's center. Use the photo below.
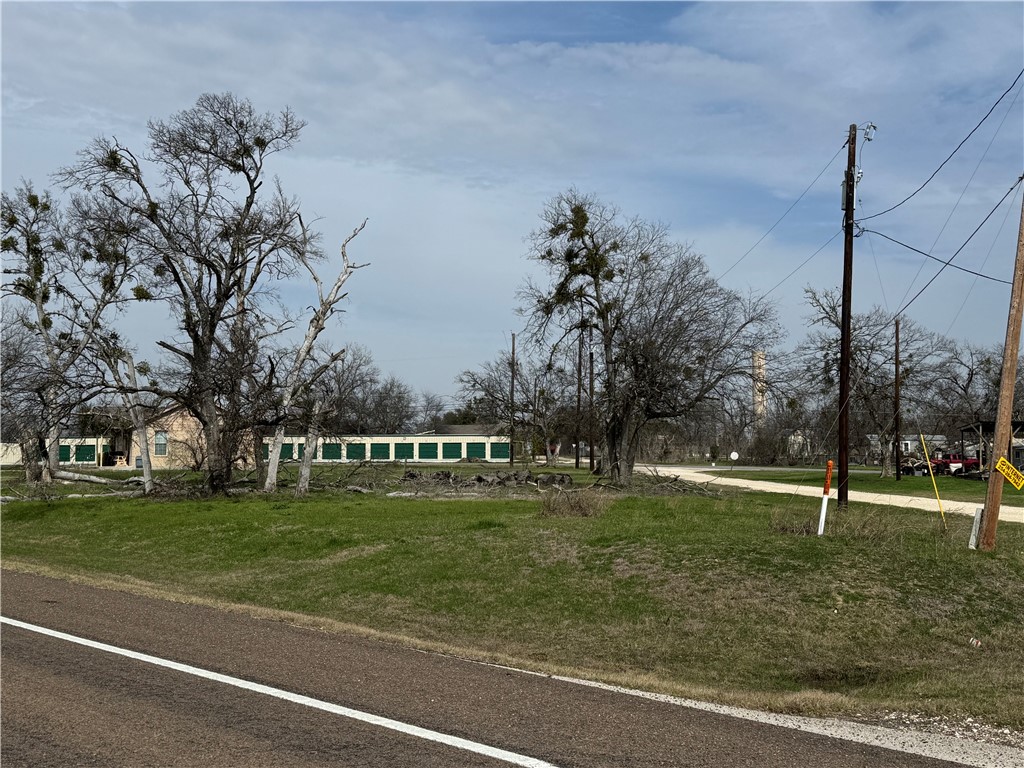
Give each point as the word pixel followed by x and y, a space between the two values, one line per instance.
pixel 896 411
pixel 849 201
pixel 512 408
pixel 1004 414
pixel 579 395
pixel 593 462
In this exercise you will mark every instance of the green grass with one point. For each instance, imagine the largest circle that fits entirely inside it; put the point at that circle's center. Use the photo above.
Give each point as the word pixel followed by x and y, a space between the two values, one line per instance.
pixel 725 599
pixel 951 488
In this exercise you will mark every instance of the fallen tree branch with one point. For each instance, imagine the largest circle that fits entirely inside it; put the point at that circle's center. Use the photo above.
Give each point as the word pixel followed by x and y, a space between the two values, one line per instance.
pixel 75 477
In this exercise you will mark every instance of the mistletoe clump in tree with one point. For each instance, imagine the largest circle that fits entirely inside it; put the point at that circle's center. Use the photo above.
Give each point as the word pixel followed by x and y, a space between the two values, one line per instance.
pixel 212 238
pixel 669 337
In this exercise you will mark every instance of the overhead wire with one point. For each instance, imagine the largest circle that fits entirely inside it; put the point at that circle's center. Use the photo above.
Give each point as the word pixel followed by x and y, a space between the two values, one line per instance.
pixel 871 243
pixel 784 215
pixel 833 426
pixel 991 247
pixel 951 154
pixel 878 272
pixel 803 263
pixel 963 192
pixel 936 258
pixel 958 250
pixel 974 283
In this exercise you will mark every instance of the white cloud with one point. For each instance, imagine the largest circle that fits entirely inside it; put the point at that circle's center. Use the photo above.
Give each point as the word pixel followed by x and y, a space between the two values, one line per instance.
pixel 450 125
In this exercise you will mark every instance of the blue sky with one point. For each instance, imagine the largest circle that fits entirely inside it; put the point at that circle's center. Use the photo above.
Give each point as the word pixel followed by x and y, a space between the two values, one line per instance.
pixel 449 125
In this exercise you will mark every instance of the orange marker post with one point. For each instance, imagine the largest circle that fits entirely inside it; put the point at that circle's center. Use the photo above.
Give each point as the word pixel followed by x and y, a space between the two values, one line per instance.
pixel 824 498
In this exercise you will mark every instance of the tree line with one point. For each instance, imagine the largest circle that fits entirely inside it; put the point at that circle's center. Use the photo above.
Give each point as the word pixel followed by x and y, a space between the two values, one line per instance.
pixel 628 341
pixel 193 221
pixel 673 354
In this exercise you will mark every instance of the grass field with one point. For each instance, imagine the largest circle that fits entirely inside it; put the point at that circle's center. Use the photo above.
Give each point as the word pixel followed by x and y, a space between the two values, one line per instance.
pixel 724 599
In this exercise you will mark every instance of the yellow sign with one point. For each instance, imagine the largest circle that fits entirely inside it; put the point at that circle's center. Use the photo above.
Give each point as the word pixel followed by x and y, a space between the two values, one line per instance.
pixel 1011 473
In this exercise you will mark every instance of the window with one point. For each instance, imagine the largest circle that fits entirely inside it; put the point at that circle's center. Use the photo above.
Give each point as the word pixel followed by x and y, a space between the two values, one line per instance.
pixel 160 443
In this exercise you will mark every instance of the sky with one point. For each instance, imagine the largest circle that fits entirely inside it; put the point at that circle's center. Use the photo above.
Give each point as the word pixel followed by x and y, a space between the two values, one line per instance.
pixel 449 125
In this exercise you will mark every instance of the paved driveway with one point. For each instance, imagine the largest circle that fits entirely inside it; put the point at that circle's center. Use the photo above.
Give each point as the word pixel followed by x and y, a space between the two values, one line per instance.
pixel 1006 513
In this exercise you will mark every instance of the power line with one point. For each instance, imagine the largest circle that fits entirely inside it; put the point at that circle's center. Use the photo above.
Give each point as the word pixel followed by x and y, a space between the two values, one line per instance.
pixel 958 146
pixel 784 215
pixel 958 250
pixel 936 258
pixel 963 193
pixel 988 255
pixel 878 272
pixel 804 262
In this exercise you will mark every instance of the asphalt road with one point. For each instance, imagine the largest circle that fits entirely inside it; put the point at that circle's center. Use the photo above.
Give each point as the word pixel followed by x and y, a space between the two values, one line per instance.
pixel 64 704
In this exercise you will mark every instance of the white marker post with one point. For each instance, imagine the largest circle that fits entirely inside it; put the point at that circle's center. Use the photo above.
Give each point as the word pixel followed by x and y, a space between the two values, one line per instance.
pixel 824 498
pixel 977 527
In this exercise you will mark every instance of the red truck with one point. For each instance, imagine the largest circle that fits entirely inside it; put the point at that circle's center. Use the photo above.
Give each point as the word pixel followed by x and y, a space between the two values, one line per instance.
pixel 955 464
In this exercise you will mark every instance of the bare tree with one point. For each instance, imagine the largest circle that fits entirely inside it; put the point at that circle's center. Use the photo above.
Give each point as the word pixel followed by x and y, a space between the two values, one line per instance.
pixel 543 404
pixel 872 367
pixel 23 380
pixel 670 336
pixel 392 407
pixel 71 276
pixel 301 376
pixel 432 407
pixel 348 391
pixel 215 236
pixel 124 374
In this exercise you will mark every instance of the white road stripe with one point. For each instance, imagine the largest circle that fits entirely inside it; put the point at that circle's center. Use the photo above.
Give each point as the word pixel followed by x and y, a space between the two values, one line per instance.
pixel 365 717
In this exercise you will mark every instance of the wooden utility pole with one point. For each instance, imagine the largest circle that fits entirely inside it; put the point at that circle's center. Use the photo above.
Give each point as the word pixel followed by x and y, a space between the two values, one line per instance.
pixel 897 441
pixel 579 395
pixel 849 201
pixel 593 460
pixel 512 408
pixel 1004 414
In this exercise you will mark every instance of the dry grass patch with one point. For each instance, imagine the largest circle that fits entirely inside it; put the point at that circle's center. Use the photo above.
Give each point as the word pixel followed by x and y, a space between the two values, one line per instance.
pixel 582 502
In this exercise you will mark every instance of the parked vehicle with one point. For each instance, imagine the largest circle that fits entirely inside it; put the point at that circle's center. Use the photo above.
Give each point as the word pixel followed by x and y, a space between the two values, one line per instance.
pixel 955 464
